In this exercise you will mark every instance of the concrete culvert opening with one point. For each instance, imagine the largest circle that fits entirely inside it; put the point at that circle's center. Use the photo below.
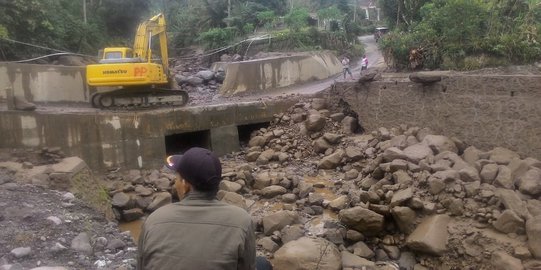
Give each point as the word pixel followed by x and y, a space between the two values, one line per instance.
pixel 180 142
pixel 245 131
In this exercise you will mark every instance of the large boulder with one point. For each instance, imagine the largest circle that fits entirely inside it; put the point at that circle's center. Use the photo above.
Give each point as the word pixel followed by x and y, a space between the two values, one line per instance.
pixel 314 123
pixel 509 222
pixel 502 155
pixel 533 231
pixel 430 236
pixel 362 220
pixel 417 152
pixel 307 254
pixel 331 161
pixel 278 220
pixel 503 261
pixel 530 182
pixel 439 143
pixel 206 75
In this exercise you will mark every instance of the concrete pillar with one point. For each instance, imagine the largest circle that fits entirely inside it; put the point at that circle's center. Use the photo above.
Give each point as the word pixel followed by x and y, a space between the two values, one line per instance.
pixel 10 98
pixel 224 140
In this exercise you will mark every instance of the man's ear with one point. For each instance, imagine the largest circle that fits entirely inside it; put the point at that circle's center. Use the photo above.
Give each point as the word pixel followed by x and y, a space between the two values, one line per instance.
pixel 187 187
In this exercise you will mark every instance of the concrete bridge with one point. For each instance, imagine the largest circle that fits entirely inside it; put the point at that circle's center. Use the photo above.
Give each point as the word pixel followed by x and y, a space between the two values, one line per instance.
pixel 482 110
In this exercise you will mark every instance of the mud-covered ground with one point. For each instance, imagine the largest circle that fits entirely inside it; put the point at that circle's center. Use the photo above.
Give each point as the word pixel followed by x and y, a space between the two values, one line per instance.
pixel 41 227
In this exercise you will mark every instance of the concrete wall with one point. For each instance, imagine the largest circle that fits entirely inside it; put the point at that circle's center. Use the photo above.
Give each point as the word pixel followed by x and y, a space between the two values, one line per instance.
pixel 44 83
pixel 130 139
pixel 272 73
pixel 485 111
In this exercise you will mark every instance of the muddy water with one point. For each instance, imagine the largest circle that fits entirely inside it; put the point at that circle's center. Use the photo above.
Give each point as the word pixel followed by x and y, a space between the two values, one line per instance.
pixel 323 185
pixel 134 227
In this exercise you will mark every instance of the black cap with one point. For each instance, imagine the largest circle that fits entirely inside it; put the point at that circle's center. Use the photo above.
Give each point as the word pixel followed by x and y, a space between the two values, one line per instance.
pixel 199 166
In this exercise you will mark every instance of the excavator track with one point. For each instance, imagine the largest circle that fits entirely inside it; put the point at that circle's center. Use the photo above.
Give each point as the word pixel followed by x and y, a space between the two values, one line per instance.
pixel 130 98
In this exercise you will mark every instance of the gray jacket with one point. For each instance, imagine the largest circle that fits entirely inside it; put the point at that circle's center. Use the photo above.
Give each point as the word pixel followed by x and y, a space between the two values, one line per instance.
pixel 197 233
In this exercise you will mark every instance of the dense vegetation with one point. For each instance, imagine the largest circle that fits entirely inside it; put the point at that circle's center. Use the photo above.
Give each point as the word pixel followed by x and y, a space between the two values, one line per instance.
pixel 84 26
pixel 461 34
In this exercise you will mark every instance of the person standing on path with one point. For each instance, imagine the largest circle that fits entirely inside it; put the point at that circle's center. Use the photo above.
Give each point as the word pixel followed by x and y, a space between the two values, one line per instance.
pixel 199 232
pixel 364 64
pixel 345 65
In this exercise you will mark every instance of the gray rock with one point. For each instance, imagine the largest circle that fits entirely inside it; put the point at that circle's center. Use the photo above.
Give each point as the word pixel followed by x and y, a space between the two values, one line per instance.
pixel 354 153
pixel 440 144
pixel 349 125
pixel 533 231
pixel 319 103
pixel 401 197
pixel 339 203
pixel 273 191
pixel 534 207
pixel 489 172
pixel 257 141
pixel 160 199
pixel 352 174
pixel 471 155
pixel 21 252
pixel 230 186
pixel 252 156
pixel 469 174
pixel 333 138
pixel 314 123
pixel 503 179
pixel 289 198
pixel 337 117
pixel 399 164
pixel 81 243
pixel 417 152
pixel 308 253
pixel 331 161
pixel 509 222
pixel 55 220
pixel 518 168
pixel 393 252
pixel 115 244
pixel 362 220
pixel 315 198
pixel 321 145
pixel 404 217
pixel 430 236
pixel 435 185
pixel 407 261
pixel 502 155
pixel 291 233
pixel 132 214
pixel 122 200
pixel 194 81
pixel 512 201
pixel 206 75
pixel 503 261
pixel 393 153
pixel 262 180
pixel 353 261
pixel 162 184
pixel 267 244
pixel 305 188
pixel 234 199
pixel 530 182
pixel 362 250
pixel 278 220
pixel 143 191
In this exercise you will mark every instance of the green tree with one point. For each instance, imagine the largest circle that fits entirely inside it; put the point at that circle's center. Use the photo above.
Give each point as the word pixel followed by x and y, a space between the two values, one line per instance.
pixel 297 19
pixel 266 19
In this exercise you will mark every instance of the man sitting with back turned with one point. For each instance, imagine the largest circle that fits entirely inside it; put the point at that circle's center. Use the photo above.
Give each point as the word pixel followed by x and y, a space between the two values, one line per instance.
pixel 199 232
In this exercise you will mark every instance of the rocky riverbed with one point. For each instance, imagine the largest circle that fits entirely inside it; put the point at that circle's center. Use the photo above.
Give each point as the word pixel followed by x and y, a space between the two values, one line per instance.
pixel 323 196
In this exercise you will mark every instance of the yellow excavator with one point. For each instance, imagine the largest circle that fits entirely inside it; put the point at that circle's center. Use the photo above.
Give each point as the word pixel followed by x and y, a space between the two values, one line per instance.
pixel 134 77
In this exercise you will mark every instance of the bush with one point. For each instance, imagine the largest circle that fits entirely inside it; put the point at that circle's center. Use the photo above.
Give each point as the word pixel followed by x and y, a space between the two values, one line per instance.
pixel 217 37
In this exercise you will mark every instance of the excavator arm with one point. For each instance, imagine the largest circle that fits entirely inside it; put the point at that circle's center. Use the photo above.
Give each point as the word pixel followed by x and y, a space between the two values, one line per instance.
pixel 142 48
